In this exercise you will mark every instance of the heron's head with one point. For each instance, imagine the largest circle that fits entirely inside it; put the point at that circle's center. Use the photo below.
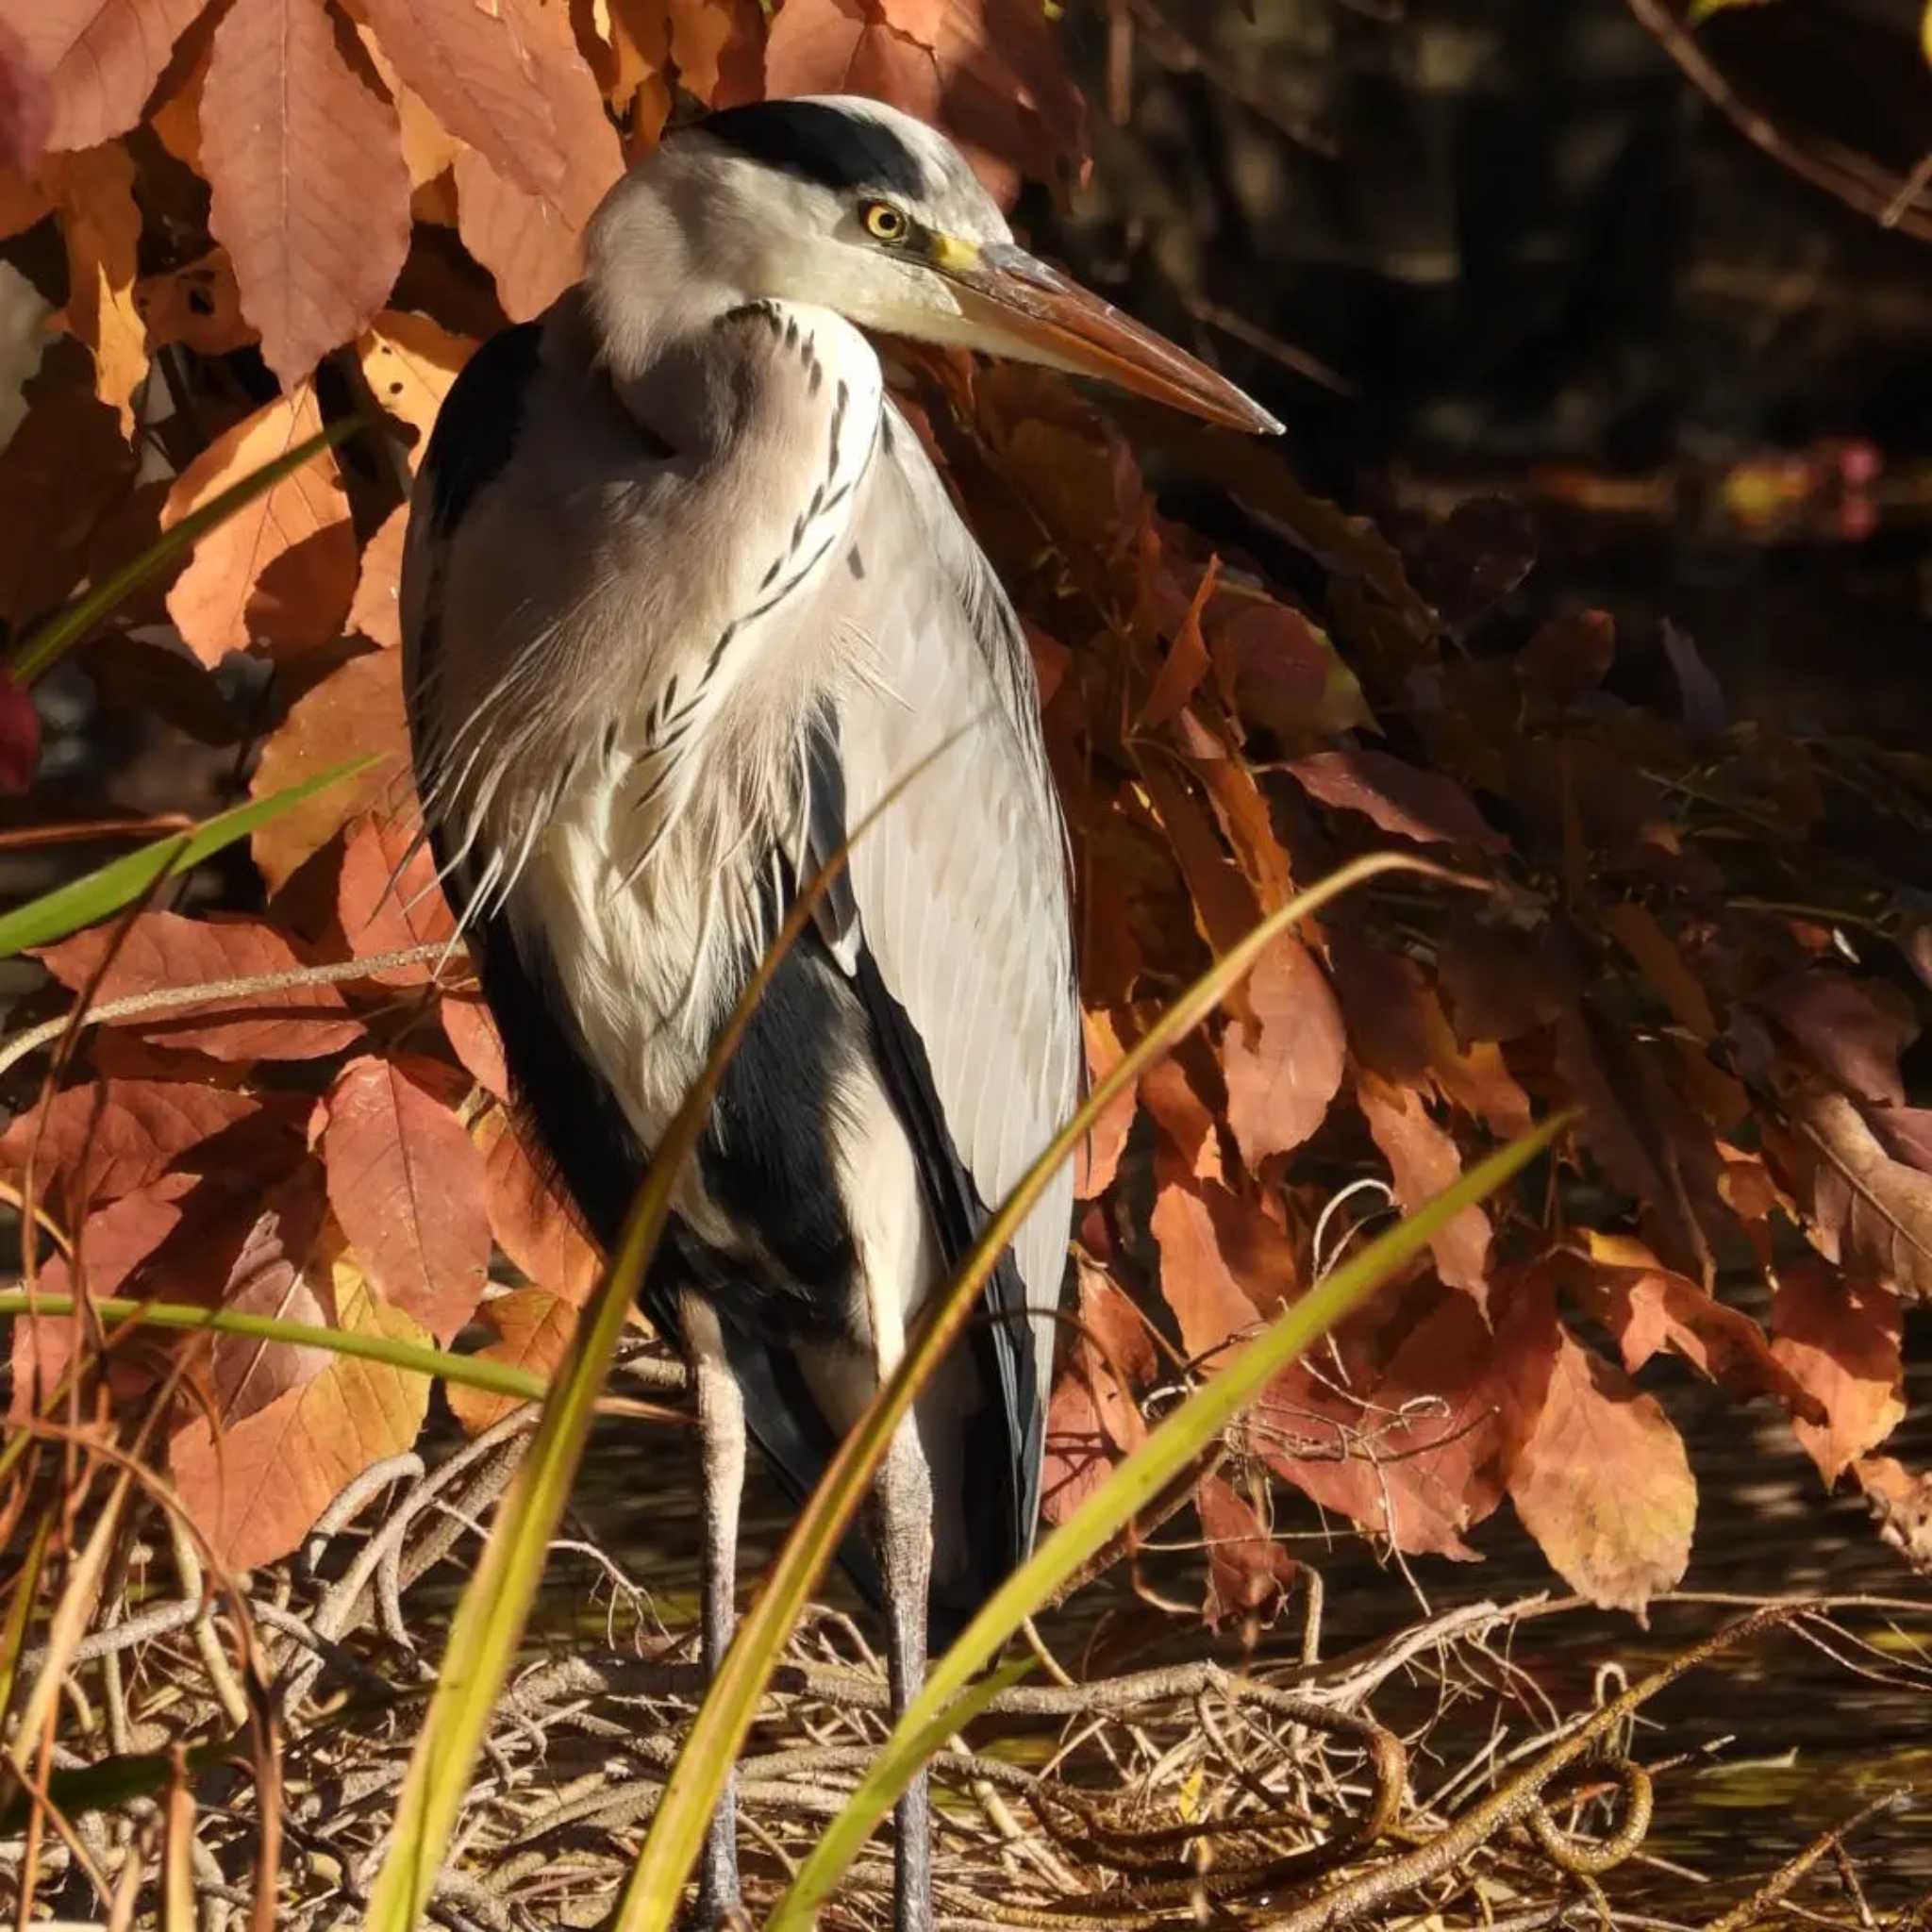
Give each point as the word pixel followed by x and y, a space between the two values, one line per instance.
pixel 857 208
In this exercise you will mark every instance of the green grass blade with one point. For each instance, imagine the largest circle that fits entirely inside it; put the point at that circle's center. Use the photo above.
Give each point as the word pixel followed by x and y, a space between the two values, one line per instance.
pixel 671 1847
pixel 412 1357
pixel 1128 1489
pixel 98 894
pixel 60 634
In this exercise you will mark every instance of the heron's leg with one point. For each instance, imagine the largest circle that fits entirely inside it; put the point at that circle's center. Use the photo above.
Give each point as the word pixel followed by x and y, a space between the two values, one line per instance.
pixel 901 1501
pixel 721 1437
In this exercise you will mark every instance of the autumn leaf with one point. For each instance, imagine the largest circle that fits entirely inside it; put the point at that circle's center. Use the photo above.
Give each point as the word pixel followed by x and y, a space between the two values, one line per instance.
pixel 473 1033
pixel 533 1330
pixel 1094 1419
pixel 410 363
pixel 102 1139
pixel 387 898
pixel 197 305
pixel 101 224
pixel 1399 798
pixel 1840 1339
pixel 1901 1503
pixel 308 191
pixel 101 59
pixel 1568 656
pixel 355 709
pixel 1604 1484
pixel 27 103
pixel 20 738
pixel 1845 1030
pixel 1249 1573
pixel 406 1183
pixel 1100 1152
pixel 531 1219
pixel 376 611
pixel 1860 1205
pixel 282 569
pixel 1284 1061
pixel 162 951
pixel 531 240
pixel 1186 662
pixel 257 1491
pixel 717 46
pixel 1424 1160
pixel 1213 1310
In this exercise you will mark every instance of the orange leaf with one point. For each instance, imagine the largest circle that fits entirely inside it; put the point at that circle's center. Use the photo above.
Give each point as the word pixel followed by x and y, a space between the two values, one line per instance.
pixel 283 568
pixel 533 1331
pixel 473 1033
pixel 406 1183
pixel 162 950
pixel 1249 1573
pixel 1840 1341
pixel 94 192
pixel 1100 1152
pixel 376 611
pixel 1283 1064
pixel 716 46
pixel 1400 798
pixel 387 897
pixel 532 1220
pixel 357 709
pixel 197 305
pixel 101 58
pixel 1423 1159
pixel 308 191
pixel 1604 1484
pixel 257 1491
pixel 1186 663
pixel 1212 1309
pixel 409 363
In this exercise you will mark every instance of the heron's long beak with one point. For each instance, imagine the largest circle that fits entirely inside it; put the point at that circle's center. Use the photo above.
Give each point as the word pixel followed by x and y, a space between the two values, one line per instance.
pixel 1034 311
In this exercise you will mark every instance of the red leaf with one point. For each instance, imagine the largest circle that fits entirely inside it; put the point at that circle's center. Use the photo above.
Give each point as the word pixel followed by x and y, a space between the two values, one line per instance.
pixel 308 191
pixel 1423 1159
pixel 20 737
pixel 1840 1341
pixel 101 58
pixel 1604 1484
pixel 1283 1064
pixel 162 950
pixel 387 898
pixel 533 1331
pixel 408 1185
pixel 473 1033
pixel 1249 1573
pixel 533 1222
pixel 109 1138
pixel 1400 798
pixel 26 105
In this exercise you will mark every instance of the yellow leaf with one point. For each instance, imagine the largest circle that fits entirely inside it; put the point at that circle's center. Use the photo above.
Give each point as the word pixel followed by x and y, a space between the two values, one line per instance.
pixel 94 192
pixel 410 362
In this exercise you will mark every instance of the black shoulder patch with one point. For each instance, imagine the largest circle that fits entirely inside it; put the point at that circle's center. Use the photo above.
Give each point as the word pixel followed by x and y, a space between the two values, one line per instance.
pixel 476 427
pixel 822 143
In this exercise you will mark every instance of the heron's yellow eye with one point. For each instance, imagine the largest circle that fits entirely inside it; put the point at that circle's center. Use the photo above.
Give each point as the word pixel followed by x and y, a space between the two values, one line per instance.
pixel 885 222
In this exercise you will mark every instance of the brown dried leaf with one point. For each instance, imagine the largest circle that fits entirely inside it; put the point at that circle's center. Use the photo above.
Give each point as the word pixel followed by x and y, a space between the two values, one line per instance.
pixel 27 103
pixel 258 1490
pixel 1400 798
pixel 102 59
pixel 406 1183
pixel 473 1033
pixel 387 897
pixel 1212 1308
pixel 355 709
pixel 1860 1207
pixel 94 191
pixel 23 202
pixel 1283 1064
pixel 532 1220
pixel 533 1331
pixel 1843 1031
pixel 1839 1339
pixel 1424 1160
pixel 1568 655
pixel 1604 1484
pixel 1279 670
pixel 1094 1419
pixel 717 46
pixel 283 569
pixel 1249 1573
pixel 163 951
pixel 308 191
pixel 1186 662
pixel 1100 1152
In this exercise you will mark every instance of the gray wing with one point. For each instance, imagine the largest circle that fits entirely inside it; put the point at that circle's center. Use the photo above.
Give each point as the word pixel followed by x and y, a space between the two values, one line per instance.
pixel 958 889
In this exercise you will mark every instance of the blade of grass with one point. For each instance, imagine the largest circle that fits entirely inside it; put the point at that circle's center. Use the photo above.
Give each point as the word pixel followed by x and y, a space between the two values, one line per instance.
pixel 120 881
pixel 39 653
pixel 412 1357
pixel 20 1609
pixel 678 1828
pixel 1134 1484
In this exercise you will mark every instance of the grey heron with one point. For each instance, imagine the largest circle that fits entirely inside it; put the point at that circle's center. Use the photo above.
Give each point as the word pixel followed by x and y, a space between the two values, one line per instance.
pixel 684 599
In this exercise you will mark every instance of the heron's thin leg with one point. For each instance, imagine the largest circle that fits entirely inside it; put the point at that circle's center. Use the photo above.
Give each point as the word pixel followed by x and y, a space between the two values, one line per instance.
pixel 903 1515
pixel 720 1435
